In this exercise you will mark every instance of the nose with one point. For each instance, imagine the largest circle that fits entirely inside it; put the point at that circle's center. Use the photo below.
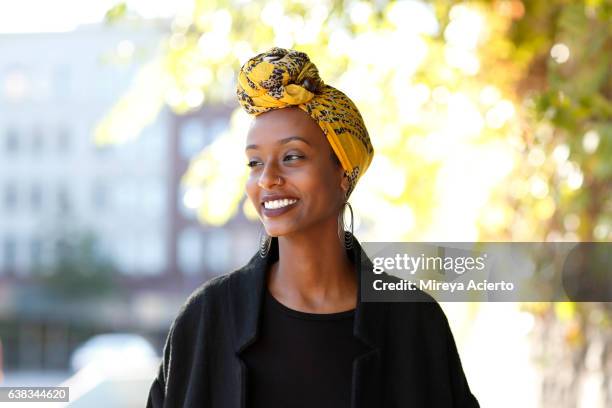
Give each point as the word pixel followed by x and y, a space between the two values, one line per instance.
pixel 269 177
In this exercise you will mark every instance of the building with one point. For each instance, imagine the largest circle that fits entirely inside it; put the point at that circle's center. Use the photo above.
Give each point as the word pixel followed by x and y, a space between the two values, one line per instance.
pixel 55 88
pixel 56 185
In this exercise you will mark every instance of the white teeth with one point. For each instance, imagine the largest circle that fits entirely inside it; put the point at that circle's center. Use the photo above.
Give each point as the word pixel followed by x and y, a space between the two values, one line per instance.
pixel 278 203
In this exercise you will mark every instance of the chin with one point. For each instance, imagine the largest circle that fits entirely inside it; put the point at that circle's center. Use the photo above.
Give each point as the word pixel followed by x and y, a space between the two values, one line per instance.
pixel 278 230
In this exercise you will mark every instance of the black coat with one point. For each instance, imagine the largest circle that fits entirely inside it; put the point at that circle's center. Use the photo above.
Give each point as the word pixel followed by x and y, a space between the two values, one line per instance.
pixel 413 361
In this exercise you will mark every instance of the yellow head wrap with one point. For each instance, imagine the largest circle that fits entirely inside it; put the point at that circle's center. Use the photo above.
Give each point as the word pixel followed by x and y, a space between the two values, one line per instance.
pixel 282 77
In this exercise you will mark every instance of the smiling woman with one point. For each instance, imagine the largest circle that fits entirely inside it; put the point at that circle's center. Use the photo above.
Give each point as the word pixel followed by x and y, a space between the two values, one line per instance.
pixel 289 329
pixel 289 158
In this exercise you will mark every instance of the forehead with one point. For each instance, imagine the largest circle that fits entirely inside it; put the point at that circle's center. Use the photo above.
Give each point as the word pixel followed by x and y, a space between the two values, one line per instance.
pixel 267 128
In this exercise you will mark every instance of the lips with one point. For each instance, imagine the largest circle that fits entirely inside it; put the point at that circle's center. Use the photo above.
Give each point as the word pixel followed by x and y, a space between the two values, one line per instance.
pixel 273 197
pixel 274 212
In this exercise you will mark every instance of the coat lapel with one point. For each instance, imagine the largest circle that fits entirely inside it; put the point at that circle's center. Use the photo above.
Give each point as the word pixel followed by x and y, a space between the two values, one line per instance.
pixel 247 289
pixel 369 328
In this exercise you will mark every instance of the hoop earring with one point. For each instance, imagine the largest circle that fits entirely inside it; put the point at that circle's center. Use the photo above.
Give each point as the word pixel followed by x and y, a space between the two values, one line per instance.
pixel 265 241
pixel 346 237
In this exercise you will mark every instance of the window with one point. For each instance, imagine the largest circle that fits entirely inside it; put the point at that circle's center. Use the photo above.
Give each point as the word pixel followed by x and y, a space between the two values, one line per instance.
pixel 99 196
pixel 9 254
pixel 62 248
pixel 62 82
pixel 37 140
pixel 192 138
pixel 63 200
pixel 215 128
pixel 11 140
pixel 36 197
pixel 126 247
pixel 63 140
pixel 36 252
pixel 152 254
pixel 195 135
pixel 125 196
pixel 217 249
pixel 10 197
pixel 152 143
pixel 152 198
pixel 190 251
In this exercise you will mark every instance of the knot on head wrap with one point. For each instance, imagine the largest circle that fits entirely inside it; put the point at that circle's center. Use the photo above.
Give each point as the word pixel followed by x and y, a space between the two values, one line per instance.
pixel 282 77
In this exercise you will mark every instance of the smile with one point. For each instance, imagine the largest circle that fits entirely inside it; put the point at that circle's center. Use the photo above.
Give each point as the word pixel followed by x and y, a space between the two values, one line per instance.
pixel 274 208
pixel 279 203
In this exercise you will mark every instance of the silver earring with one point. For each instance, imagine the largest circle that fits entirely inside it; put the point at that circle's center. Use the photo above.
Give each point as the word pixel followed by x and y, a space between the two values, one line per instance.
pixel 265 241
pixel 346 237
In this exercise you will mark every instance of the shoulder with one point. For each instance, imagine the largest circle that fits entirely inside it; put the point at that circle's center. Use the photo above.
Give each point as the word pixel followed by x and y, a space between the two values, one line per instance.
pixel 205 294
pixel 415 307
pixel 204 301
pixel 209 297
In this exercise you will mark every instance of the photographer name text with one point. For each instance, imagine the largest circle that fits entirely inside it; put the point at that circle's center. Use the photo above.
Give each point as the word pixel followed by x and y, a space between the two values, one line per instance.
pixel 433 285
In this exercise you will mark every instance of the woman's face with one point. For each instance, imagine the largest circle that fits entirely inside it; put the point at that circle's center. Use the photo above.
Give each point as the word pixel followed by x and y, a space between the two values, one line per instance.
pixel 291 163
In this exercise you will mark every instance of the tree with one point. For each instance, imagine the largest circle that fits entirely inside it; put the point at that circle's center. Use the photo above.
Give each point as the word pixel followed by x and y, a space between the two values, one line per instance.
pixel 79 270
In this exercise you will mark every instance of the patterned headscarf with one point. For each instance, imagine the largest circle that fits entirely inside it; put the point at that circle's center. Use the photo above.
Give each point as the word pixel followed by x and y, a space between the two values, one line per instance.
pixel 282 77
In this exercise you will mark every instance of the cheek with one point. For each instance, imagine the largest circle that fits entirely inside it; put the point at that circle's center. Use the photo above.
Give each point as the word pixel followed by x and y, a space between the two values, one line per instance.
pixel 251 190
pixel 322 189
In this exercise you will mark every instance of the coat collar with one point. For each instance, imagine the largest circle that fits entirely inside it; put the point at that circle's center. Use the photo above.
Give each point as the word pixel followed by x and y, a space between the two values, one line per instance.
pixel 247 289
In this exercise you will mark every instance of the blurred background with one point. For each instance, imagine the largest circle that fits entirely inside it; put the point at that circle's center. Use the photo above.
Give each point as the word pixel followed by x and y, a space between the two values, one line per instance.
pixel 122 171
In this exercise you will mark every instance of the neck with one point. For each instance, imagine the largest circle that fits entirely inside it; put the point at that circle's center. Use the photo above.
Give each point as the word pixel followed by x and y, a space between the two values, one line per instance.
pixel 313 272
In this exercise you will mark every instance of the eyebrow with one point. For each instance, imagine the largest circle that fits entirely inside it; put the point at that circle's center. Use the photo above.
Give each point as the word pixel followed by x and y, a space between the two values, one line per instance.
pixel 282 141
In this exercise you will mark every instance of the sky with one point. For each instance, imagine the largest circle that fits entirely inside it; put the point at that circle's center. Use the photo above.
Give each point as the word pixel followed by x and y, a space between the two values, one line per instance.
pixel 35 16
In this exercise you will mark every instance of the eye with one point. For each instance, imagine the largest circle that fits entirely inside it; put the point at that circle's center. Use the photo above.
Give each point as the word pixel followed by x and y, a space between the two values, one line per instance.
pixel 294 155
pixel 289 157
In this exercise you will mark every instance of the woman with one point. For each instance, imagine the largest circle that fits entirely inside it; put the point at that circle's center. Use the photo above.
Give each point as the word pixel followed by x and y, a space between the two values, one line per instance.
pixel 289 329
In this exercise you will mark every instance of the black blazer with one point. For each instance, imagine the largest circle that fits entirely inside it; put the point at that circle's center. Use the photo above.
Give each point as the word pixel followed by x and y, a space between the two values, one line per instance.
pixel 413 361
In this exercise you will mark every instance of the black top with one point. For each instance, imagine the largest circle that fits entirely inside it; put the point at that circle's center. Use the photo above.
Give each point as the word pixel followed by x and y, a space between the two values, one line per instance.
pixel 301 359
pixel 413 360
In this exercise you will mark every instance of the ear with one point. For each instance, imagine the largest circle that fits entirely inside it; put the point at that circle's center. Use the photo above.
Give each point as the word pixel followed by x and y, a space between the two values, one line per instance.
pixel 344 184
